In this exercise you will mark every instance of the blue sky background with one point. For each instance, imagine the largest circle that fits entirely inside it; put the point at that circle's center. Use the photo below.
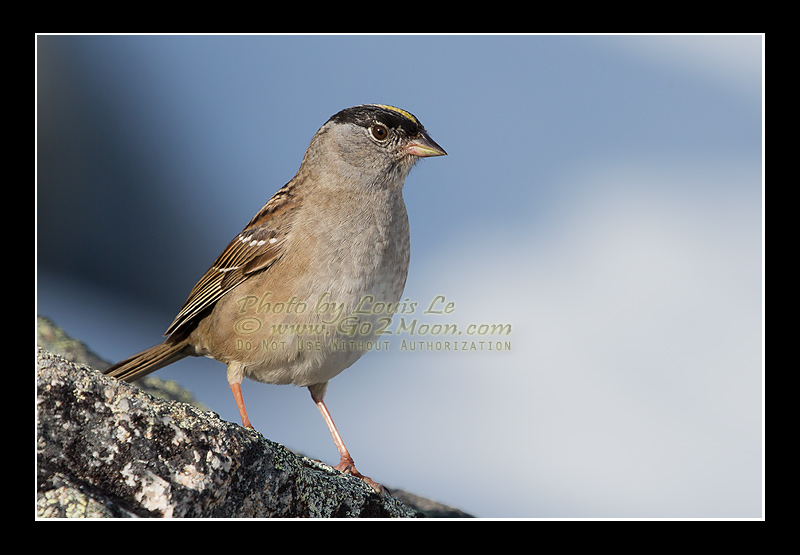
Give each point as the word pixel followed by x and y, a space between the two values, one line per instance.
pixel 602 194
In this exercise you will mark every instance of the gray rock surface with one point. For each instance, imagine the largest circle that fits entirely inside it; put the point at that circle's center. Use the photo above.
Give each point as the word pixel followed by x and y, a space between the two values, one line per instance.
pixel 106 448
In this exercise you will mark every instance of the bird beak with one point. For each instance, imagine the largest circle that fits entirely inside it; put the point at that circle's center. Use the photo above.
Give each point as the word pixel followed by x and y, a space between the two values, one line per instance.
pixel 423 146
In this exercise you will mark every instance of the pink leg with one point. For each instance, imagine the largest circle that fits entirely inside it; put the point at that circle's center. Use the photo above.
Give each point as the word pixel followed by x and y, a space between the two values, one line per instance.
pixel 346 464
pixel 237 395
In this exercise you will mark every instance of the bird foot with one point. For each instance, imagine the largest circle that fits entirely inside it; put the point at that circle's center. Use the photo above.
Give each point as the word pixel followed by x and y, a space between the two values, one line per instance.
pixel 347 466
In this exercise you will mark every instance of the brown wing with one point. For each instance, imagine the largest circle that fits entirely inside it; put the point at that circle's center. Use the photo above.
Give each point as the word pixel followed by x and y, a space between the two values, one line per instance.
pixel 256 248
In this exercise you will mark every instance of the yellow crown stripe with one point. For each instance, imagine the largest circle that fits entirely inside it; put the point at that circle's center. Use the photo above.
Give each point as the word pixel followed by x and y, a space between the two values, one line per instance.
pixel 399 111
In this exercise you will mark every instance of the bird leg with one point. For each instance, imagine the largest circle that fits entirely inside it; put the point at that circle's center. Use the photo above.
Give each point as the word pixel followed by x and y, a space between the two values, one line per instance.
pixel 237 395
pixel 346 463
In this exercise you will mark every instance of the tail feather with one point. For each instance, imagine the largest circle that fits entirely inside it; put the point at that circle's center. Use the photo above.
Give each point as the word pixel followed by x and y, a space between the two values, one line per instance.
pixel 148 361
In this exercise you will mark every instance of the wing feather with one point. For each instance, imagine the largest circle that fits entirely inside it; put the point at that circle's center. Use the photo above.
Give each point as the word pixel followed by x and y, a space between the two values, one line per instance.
pixel 255 249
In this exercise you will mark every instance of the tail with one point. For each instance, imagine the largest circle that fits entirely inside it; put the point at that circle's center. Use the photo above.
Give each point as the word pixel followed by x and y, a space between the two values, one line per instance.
pixel 148 361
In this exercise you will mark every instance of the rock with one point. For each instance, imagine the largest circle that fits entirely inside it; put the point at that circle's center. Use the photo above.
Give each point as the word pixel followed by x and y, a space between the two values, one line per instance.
pixel 52 338
pixel 428 507
pixel 106 448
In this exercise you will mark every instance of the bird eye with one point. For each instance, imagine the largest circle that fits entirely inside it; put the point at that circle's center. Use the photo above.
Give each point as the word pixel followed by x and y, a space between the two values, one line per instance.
pixel 379 132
